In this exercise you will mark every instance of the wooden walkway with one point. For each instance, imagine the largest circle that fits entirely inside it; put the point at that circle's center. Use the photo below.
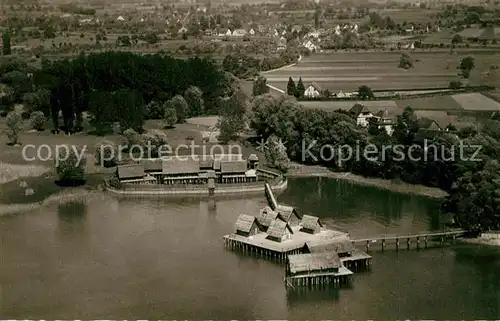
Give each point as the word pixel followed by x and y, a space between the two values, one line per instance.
pixel 426 237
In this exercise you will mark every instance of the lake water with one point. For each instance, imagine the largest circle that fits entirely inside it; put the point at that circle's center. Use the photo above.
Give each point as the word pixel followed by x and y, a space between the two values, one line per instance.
pixel 165 259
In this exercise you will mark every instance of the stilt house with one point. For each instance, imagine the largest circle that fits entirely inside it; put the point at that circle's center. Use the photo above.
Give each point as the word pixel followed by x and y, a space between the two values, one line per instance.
pixel 310 224
pixel 247 225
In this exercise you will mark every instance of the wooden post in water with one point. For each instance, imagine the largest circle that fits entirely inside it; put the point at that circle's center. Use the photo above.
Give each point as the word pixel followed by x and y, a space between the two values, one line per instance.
pixel 397 244
pixel 442 240
pixel 383 245
pixel 408 244
pixel 367 245
pixel 425 240
pixel 418 243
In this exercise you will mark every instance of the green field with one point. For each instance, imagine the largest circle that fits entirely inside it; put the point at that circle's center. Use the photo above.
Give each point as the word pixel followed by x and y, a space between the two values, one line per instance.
pixel 347 71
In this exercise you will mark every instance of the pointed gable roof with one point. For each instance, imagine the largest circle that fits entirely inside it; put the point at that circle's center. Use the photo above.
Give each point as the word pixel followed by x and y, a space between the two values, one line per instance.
pixel 310 222
pixel 245 223
pixel 287 212
pixel 278 228
pixel 267 216
pixel 358 109
pixel 384 114
pixel 316 86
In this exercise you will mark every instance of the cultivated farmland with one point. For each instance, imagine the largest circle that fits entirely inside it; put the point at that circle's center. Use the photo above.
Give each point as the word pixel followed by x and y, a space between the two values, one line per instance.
pixel 431 103
pixel 347 71
pixel 476 102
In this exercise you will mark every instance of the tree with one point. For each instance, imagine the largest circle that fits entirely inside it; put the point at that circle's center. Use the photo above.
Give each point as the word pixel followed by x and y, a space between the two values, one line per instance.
pixel 14 123
pixel 317 17
pixel 153 142
pixel 300 89
pixel 106 153
pixel 455 84
pixel 69 168
pixel 260 86
pixel 405 62
pixel 456 39
pixel 365 93
pixel 290 87
pixel 37 101
pixel 466 66
pixel 132 138
pixel 179 104
pixel 276 155
pixel 155 109
pixel 170 117
pixel 233 116
pixel 194 99
pixel 37 120
pixel 6 50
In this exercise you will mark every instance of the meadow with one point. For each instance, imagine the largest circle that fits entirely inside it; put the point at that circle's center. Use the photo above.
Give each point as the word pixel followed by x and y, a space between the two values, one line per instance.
pixel 347 71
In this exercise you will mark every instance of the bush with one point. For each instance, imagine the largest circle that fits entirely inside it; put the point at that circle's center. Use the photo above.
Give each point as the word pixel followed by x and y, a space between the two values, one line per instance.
pixel 170 117
pixel 131 137
pixel 106 153
pixel 38 120
pixel 14 123
pixel 154 142
pixel 455 84
pixel 70 169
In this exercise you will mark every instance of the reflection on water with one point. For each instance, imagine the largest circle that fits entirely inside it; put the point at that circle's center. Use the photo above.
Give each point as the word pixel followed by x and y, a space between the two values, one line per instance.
pixel 72 212
pixel 298 296
pixel 165 259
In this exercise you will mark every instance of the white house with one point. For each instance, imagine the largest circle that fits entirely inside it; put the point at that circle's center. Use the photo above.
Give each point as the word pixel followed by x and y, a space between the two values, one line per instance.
pixel 228 32
pixel 251 32
pixel 239 32
pixel 310 45
pixel 313 91
pixel 120 18
pixel 410 29
pixel 361 113
pixel 383 121
pixel 276 34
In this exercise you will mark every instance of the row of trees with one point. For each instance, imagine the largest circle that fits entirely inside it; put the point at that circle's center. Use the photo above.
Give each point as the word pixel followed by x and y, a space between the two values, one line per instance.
pixel 117 87
pixel 473 186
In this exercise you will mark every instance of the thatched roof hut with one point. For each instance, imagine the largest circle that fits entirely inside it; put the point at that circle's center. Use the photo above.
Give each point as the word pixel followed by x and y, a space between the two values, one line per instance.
pixel 305 263
pixel 279 230
pixel 310 224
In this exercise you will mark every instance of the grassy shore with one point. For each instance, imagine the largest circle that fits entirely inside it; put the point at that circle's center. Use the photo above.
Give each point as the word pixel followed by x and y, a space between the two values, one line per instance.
pixel 298 170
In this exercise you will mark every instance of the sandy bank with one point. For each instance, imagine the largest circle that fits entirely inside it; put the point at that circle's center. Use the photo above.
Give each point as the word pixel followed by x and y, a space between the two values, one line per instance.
pixel 395 186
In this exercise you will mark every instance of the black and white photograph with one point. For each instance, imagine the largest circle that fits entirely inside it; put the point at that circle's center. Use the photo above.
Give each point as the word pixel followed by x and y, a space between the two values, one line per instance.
pixel 250 160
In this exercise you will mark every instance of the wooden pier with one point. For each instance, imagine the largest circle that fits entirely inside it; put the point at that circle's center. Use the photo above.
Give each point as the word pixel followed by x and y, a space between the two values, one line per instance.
pixel 422 240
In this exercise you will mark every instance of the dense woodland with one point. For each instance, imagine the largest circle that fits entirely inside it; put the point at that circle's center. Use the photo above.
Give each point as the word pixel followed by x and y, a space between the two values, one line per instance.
pixel 113 87
pixel 473 186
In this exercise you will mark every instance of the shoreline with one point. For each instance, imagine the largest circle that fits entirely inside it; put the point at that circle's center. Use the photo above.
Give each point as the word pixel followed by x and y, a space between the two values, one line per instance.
pixel 389 185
